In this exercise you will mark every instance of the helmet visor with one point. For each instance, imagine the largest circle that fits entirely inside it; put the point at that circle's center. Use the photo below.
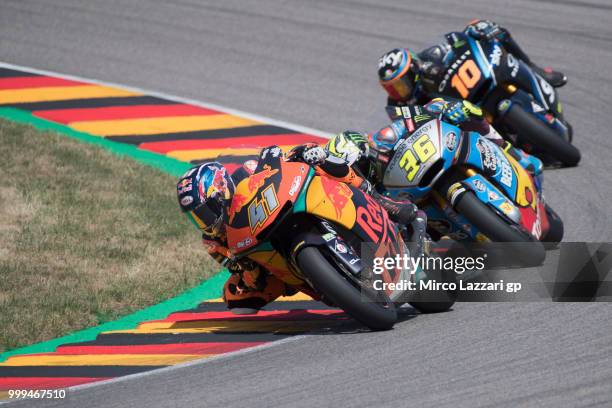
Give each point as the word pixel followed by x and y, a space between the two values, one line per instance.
pixel 401 87
pixel 208 216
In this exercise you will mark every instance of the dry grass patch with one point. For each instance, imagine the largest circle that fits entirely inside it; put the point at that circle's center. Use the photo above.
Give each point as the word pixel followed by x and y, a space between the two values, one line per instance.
pixel 85 237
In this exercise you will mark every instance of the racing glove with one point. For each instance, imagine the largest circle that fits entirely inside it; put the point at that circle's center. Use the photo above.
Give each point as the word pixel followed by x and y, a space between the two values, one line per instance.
pixel 461 111
pixel 484 30
pixel 309 153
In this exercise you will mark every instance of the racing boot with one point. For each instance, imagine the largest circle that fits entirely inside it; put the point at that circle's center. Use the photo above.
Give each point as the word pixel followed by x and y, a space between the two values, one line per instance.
pixel 400 212
pixel 246 292
pixel 418 241
pixel 555 78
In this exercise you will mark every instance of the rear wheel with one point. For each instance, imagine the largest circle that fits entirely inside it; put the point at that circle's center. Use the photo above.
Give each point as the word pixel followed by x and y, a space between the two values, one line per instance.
pixel 533 131
pixel 332 284
pixel 488 222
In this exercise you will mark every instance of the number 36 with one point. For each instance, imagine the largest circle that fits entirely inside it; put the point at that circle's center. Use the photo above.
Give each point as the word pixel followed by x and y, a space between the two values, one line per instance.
pixel 424 149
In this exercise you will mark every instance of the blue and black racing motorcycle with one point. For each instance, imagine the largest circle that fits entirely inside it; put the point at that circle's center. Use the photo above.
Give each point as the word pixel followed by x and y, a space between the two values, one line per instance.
pixel 519 103
pixel 470 188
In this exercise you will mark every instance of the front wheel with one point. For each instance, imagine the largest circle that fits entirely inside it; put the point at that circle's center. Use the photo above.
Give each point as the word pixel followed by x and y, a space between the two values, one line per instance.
pixel 327 280
pixel 488 222
pixel 536 133
pixel 555 231
pixel 440 300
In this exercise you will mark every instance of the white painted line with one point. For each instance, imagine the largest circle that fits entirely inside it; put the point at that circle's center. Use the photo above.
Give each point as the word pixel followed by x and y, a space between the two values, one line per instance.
pixel 174 98
pixel 201 361
pixel 188 363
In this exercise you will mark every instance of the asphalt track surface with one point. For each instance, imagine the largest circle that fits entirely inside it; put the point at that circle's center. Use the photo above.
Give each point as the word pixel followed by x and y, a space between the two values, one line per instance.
pixel 314 63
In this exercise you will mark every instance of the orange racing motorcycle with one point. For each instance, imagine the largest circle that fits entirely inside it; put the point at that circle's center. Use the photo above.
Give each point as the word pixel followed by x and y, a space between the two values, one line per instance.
pixel 310 231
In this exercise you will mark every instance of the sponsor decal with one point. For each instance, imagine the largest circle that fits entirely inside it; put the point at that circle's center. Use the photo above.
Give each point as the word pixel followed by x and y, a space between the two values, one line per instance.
pixel 328 236
pixel 390 61
pixel 184 186
pixel 421 118
pixel 338 193
pixel 250 166
pixel 536 230
pixel 506 207
pixel 512 64
pixel 295 185
pixel 406 112
pixel 495 56
pixel 219 183
pixel 185 189
pixel 244 243
pixel 489 159
pixel 506 173
pixel 185 201
pixel 184 183
pixel 273 151
pixel 418 133
pixel 257 180
pixel 536 108
pixel 547 89
pixel 451 141
pixel 493 196
pixel 341 248
pixel 479 185
pixel 451 70
pixel 504 106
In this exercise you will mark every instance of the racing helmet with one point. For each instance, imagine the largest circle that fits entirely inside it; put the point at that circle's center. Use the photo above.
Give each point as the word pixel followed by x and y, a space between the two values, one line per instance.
pixel 382 145
pixel 349 146
pixel 204 194
pixel 398 73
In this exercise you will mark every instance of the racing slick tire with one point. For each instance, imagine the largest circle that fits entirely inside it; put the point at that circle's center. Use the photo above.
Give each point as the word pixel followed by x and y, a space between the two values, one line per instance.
pixel 528 250
pixel 331 283
pixel 541 136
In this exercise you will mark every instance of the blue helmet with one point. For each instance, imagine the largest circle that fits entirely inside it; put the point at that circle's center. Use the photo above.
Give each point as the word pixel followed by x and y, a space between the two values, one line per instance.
pixel 204 194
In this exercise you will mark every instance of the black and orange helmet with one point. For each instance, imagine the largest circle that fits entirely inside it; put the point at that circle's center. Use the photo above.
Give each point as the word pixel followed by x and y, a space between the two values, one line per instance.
pixel 398 73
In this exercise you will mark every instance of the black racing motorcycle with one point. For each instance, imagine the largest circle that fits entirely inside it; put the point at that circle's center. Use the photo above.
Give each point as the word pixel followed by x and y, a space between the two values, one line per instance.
pixel 519 103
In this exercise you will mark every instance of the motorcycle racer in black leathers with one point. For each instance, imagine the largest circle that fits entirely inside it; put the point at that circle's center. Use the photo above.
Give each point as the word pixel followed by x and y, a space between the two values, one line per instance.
pixel 414 78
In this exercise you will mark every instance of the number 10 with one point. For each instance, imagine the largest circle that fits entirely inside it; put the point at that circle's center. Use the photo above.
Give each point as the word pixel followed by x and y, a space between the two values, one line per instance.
pixel 466 77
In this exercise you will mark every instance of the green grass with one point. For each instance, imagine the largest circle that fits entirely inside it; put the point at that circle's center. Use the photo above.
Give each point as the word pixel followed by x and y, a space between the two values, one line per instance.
pixel 85 237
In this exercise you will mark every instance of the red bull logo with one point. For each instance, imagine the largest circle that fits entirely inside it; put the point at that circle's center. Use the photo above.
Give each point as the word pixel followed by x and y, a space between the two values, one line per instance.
pixel 184 186
pixel 238 201
pixel 219 183
pixel 338 193
pixel 257 180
